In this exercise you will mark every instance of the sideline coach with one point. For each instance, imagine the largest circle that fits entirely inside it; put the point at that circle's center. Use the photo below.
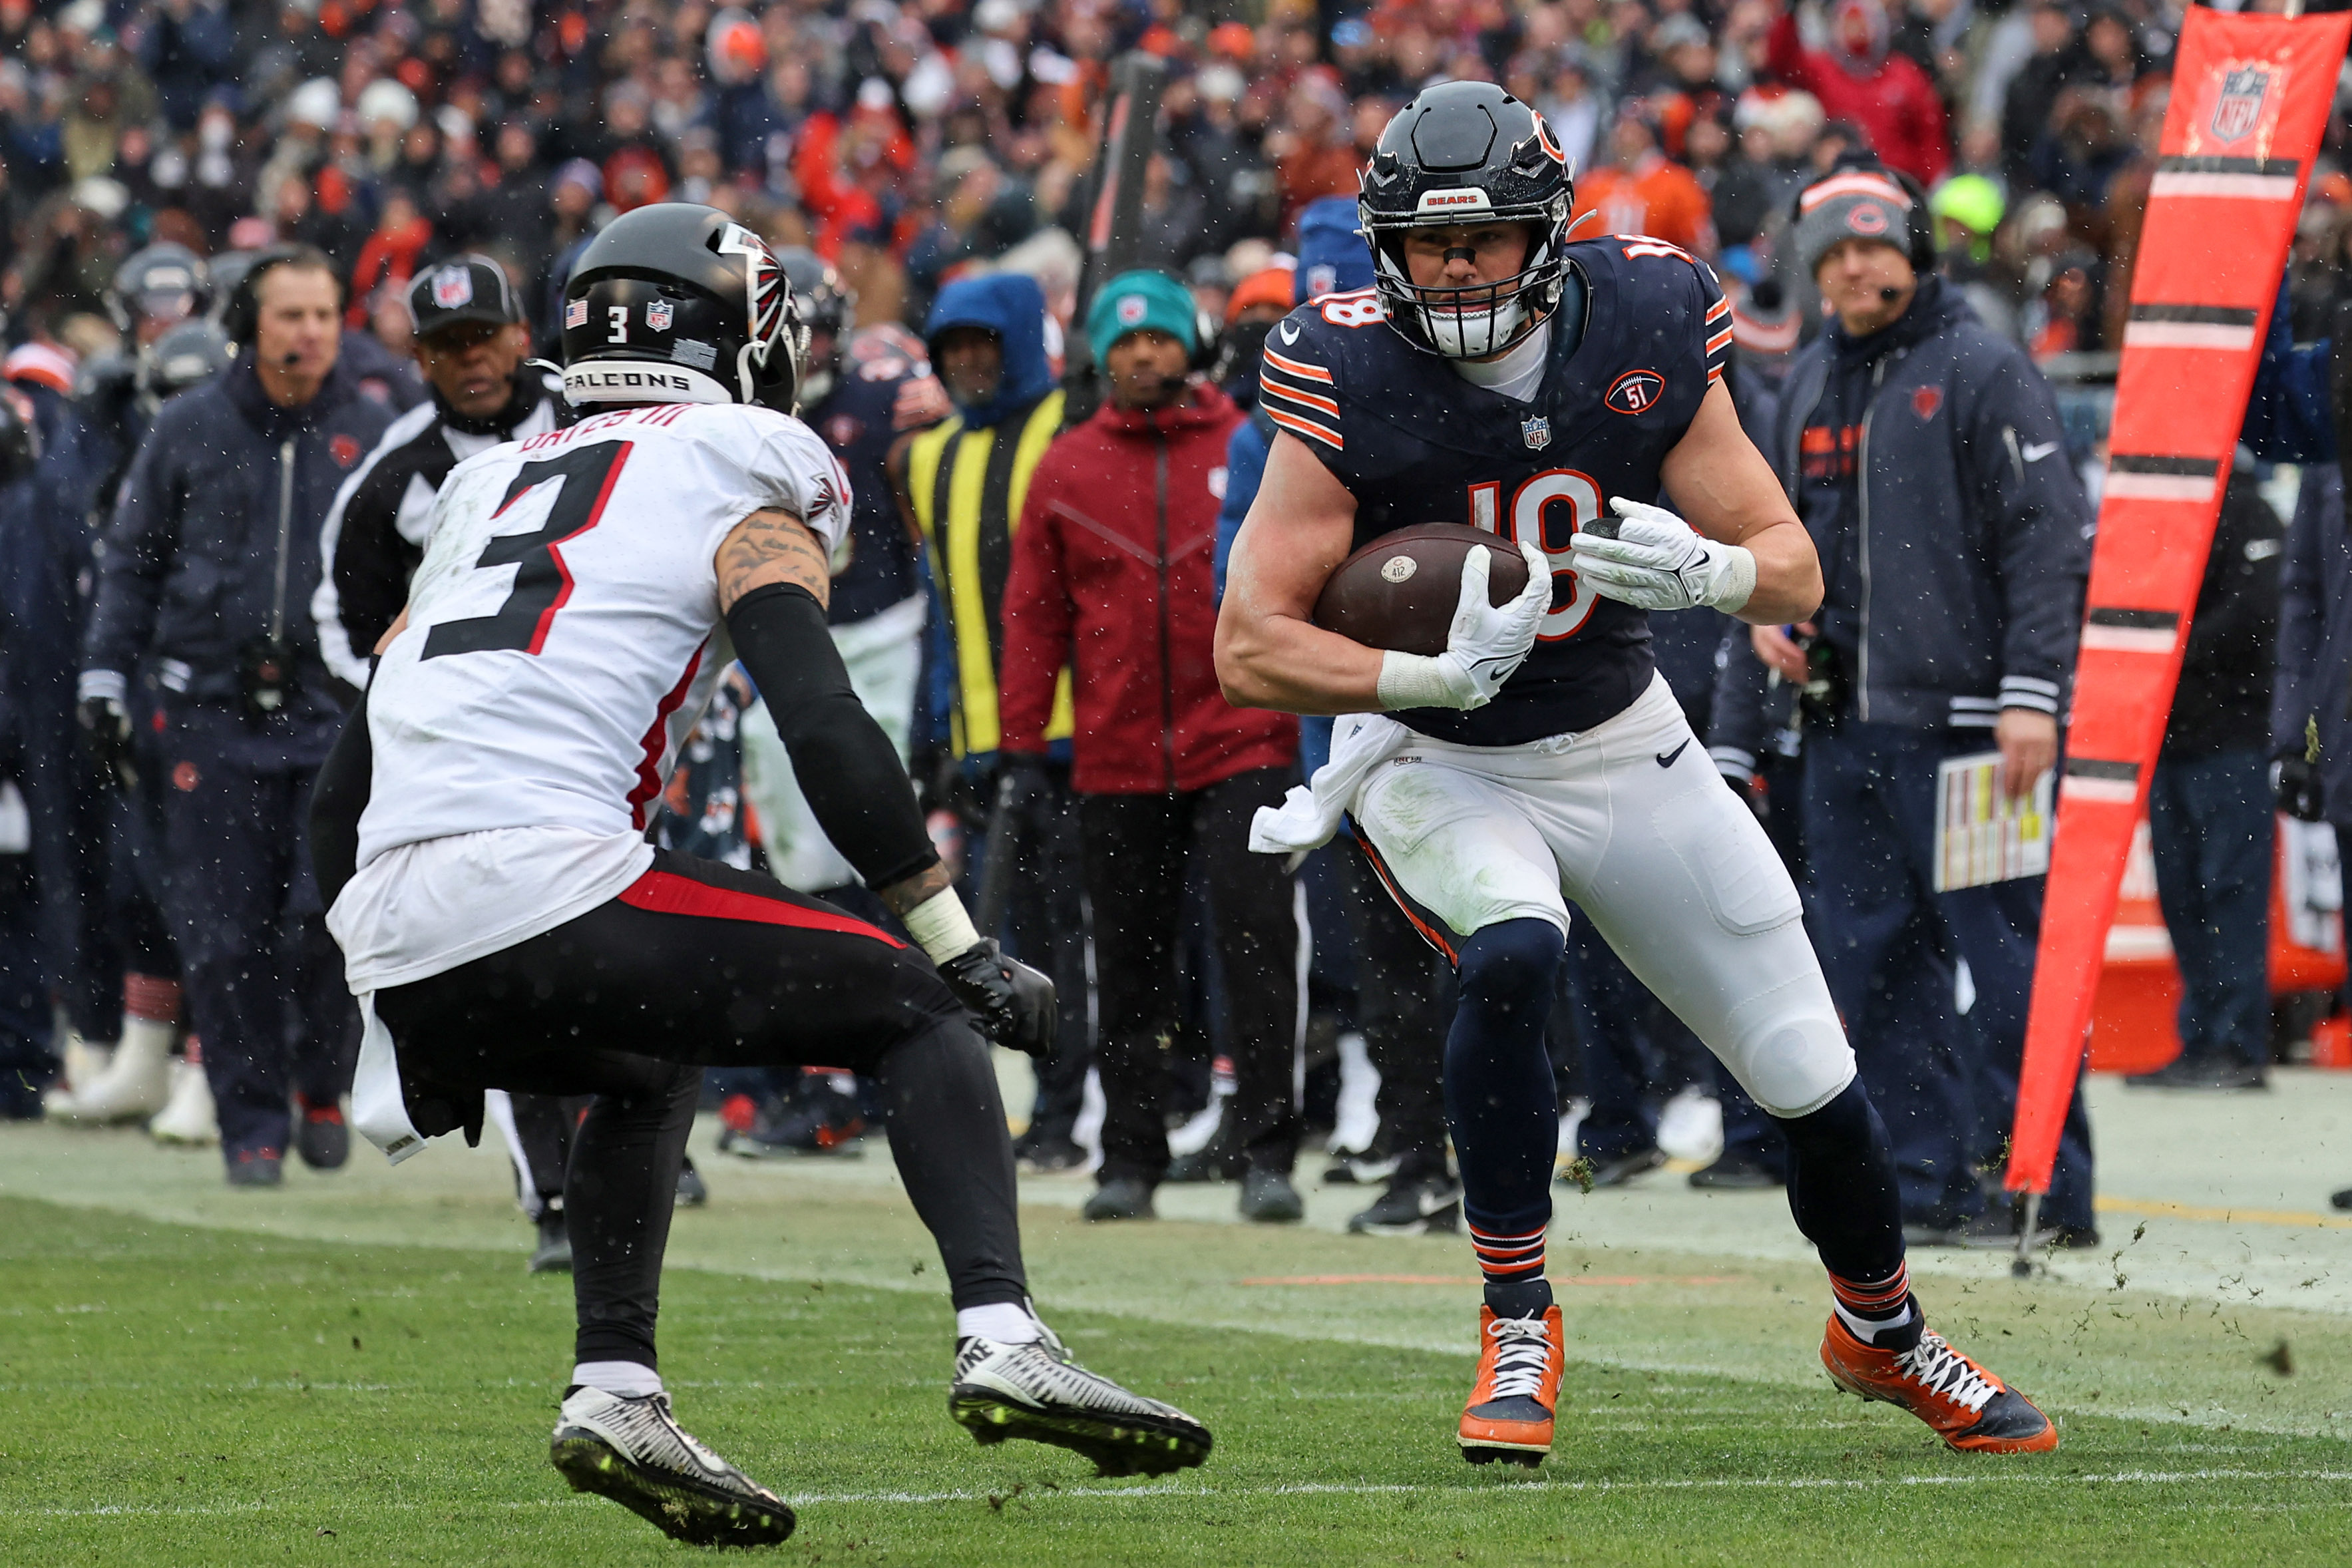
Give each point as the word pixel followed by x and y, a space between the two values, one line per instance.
pixel 204 593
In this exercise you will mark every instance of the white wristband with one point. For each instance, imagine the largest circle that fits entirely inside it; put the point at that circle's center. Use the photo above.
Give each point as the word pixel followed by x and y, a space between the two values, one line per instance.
pixel 1414 680
pixel 941 927
pixel 1738 582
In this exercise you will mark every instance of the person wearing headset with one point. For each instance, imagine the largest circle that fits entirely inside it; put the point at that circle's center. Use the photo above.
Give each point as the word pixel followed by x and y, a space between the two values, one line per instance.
pixel 1111 576
pixel 199 633
pixel 1925 457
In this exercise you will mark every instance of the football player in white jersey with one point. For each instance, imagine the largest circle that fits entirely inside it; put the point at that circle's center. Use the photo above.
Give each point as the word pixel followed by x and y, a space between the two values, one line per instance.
pixel 480 831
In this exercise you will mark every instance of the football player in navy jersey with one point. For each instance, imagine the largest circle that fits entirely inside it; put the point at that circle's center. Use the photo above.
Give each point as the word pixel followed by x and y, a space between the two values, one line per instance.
pixel 1498 375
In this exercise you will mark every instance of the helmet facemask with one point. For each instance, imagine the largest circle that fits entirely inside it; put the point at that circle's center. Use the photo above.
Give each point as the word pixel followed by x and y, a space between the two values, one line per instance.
pixel 1476 321
pixel 1466 154
pixel 776 345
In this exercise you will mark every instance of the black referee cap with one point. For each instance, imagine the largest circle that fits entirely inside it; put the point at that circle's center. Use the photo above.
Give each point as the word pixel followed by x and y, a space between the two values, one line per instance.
pixel 462 289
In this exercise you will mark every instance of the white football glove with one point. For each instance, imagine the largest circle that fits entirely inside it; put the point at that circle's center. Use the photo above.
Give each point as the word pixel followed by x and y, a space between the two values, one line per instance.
pixel 1658 561
pixel 1483 645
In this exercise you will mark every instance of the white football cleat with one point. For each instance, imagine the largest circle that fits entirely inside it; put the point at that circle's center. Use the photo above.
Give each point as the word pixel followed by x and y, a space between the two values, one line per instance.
pixel 83 1063
pixel 629 1447
pixel 1038 1391
pixel 188 1116
pixel 135 1085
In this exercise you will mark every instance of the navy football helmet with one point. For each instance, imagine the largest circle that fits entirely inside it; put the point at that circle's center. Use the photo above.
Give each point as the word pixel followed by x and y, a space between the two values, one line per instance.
pixel 1467 152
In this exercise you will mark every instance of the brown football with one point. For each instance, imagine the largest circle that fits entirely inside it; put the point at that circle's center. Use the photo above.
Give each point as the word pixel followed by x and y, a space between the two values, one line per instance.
pixel 1399 591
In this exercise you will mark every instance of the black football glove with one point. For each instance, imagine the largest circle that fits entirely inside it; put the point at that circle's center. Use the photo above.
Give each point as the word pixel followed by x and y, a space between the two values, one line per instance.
pixel 106 733
pixel 1014 1004
pixel 2300 795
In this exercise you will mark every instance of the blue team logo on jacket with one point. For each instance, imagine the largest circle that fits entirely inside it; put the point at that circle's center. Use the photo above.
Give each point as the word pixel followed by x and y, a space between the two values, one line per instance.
pixel 1536 432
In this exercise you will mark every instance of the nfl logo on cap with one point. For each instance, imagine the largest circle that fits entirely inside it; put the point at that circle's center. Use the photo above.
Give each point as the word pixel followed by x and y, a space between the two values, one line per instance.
pixel 1131 310
pixel 575 314
pixel 453 288
pixel 657 315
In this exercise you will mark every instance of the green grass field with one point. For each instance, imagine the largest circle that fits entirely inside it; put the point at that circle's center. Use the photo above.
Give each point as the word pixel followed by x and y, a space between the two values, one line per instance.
pixel 178 1396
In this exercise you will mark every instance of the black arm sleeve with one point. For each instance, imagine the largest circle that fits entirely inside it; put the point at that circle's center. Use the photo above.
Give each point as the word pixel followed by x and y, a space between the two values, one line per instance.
pixel 856 785
pixel 336 802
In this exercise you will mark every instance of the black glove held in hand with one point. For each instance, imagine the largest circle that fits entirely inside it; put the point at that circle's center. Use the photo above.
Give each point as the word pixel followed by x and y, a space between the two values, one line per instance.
pixel 1014 1004
pixel 106 730
pixel 2299 793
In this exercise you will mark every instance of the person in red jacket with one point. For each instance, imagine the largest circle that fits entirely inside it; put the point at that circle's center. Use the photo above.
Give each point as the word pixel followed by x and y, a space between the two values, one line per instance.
pixel 1111 576
pixel 1856 79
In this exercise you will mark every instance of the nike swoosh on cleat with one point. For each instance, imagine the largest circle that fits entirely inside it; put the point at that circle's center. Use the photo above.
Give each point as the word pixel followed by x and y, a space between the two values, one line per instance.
pixel 1667 759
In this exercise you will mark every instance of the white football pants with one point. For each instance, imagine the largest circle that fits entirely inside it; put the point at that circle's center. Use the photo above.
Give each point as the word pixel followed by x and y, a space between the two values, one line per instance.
pixel 1632 822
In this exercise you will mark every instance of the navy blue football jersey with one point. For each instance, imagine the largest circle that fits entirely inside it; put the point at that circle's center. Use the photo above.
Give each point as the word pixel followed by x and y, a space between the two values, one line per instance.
pixel 885 388
pixel 1415 443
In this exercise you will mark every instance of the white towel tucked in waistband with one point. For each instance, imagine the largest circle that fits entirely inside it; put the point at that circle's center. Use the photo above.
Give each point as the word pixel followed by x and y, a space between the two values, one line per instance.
pixel 1309 815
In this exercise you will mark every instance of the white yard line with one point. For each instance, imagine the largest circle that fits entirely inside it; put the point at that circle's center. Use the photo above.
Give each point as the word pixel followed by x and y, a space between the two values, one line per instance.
pixel 1154 1492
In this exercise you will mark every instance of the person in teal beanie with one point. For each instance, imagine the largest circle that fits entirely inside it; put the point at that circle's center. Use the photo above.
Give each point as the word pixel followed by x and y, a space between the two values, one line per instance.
pixel 1142 301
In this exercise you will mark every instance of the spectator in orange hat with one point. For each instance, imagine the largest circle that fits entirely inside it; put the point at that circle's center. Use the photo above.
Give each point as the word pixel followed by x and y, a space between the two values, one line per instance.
pixel 1257 302
pixel 1274 289
pixel 1639 191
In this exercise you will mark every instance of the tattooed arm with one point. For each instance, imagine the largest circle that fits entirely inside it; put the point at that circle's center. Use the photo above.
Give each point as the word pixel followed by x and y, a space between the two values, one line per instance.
pixel 771 546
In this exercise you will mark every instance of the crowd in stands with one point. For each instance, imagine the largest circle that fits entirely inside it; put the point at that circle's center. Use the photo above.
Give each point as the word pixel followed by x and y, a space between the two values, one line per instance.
pixel 927 150
pixel 909 143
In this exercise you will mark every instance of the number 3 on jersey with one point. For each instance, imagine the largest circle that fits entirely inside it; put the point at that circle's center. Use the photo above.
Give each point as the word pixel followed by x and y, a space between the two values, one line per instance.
pixel 1545 509
pixel 586 476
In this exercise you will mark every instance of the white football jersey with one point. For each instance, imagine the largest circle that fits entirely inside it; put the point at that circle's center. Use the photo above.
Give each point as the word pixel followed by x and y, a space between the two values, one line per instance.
pixel 564 630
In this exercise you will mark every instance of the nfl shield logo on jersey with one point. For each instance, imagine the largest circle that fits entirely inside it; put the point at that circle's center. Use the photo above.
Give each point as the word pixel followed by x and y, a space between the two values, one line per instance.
pixel 658 315
pixel 453 288
pixel 1536 432
pixel 2240 107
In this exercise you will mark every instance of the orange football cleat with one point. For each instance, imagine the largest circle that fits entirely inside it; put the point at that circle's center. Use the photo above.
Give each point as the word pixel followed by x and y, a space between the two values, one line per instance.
pixel 1509 1416
pixel 1969 1408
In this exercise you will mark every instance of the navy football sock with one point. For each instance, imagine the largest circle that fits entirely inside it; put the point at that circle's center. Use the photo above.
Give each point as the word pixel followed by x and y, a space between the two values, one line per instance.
pixel 1842 1188
pixel 1501 1106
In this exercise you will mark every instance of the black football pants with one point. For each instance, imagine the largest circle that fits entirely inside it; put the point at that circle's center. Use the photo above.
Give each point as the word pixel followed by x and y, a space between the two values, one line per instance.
pixel 1137 848
pixel 697 964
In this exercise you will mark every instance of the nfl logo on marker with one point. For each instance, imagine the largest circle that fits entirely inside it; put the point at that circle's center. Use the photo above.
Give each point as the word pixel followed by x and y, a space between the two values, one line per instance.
pixel 453 288
pixel 2240 107
pixel 575 314
pixel 657 315
pixel 1536 432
